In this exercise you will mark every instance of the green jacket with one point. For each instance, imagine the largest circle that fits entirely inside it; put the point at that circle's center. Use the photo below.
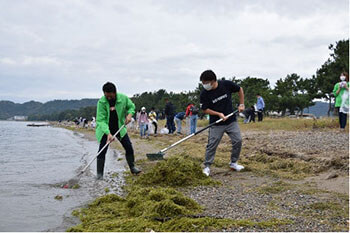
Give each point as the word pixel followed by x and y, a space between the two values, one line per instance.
pixel 338 97
pixel 124 106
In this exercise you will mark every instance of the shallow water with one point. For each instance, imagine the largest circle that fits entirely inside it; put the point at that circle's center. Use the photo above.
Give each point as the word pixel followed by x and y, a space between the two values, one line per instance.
pixel 32 161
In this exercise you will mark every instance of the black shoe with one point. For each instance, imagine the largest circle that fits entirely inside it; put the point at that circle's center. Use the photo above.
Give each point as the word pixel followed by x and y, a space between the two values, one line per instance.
pixel 99 177
pixel 135 171
pixel 100 168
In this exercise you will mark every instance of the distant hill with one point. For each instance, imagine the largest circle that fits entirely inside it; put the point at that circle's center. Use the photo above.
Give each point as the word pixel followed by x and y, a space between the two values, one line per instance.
pixel 9 109
pixel 319 109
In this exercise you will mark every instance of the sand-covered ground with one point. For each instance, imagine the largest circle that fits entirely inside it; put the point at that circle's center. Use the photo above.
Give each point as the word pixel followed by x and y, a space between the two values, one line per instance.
pixel 296 176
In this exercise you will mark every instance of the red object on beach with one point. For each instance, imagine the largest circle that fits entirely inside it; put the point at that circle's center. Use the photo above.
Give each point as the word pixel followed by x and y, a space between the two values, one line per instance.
pixel 66 186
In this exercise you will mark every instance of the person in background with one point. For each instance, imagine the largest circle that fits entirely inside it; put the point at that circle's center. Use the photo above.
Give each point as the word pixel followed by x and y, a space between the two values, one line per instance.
pixel 86 123
pixel 93 122
pixel 153 117
pixel 169 115
pixel 252 113
pixel 260 105
pixel 114 110
pixel 80 122
pixel 246 116
pixel 179 117
pixel 341 93
pixel 216 100
pixel 143 122
pixel 249 114
pixel 192 111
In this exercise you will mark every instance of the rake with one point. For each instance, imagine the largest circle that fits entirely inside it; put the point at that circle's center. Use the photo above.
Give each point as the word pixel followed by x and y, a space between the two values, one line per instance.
pixel 160 154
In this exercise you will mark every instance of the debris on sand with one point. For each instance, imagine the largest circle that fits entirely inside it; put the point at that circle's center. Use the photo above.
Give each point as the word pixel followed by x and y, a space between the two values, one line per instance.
pixel 332 176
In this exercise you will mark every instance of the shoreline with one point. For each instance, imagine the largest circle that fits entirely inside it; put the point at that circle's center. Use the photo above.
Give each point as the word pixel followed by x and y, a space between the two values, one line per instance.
pixel 261 196
pixel 113 181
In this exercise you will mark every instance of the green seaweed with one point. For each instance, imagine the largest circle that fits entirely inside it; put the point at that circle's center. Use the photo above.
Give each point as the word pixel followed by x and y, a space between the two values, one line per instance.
pixel 293 169
pixel 177 171
pixel 148 205
pixel 115 175
pixel 58 197
pixel 274 188
pixel 327 212
pixel 157 209
pixel 75 213
pixel 76 186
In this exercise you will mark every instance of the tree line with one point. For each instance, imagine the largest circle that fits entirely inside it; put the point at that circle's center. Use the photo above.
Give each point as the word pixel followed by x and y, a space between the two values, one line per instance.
pixel 291 93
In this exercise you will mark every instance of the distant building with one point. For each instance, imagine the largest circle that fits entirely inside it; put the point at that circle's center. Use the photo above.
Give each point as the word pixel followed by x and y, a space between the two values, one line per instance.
pixel 20 118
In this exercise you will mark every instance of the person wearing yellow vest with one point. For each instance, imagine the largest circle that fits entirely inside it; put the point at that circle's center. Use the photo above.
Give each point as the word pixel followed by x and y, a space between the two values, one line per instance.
pixel 153 117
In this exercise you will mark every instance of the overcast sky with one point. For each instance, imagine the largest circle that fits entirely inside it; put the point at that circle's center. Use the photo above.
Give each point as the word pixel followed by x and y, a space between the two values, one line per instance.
pixel 68 49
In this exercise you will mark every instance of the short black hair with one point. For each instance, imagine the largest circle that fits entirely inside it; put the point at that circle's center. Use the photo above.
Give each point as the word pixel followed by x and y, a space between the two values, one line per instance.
pixel 109 87
pixel 208 75
pixel 152 108
pixel 258 94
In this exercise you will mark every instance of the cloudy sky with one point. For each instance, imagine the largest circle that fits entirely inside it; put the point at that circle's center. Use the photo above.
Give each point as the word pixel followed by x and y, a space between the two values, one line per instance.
pixel 67 49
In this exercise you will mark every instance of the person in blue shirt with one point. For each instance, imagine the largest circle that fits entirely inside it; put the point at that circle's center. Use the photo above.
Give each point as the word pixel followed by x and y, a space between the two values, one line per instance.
pixel 178 120
pixel 260 105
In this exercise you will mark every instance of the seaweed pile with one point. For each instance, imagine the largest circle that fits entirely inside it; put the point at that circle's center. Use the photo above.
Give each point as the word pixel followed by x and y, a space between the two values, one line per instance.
pixel 177 171
pixel 154 204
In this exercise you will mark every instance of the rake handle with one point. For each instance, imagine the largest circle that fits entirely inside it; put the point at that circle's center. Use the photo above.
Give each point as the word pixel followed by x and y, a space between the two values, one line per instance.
pixel 198 132
pixel 92 160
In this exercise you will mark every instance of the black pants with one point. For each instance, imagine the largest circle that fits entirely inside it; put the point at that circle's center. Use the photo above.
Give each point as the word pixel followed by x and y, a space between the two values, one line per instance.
pixel 342 119
pixel 129 153
pixel 170 124
pixel 252 117
pixel 260 115
pixel 155 127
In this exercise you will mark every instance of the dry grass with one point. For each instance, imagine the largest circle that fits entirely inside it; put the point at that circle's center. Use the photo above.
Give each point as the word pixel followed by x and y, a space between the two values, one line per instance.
pixel 285 123
pixel 291 124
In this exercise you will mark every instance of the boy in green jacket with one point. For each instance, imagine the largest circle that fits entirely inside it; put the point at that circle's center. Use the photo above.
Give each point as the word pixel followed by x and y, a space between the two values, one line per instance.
pixel 114 110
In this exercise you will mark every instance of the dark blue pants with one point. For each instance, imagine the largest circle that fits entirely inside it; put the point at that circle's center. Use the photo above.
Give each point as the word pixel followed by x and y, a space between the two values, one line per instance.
pixel 170 124
pixel 129 153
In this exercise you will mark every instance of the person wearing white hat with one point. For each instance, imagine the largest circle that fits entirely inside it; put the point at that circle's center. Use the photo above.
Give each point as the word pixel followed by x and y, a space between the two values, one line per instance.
pixel 143 122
